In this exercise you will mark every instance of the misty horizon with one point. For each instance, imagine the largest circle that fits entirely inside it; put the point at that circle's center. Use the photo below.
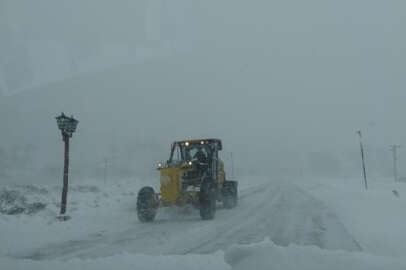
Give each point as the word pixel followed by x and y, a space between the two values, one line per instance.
pixel 284 86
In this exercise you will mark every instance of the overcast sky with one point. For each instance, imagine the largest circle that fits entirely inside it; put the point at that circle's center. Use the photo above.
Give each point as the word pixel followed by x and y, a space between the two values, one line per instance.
pixel 265 76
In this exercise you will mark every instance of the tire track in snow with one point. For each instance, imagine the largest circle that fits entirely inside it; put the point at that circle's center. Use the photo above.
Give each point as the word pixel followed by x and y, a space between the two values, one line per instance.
pixel 83 247
pixel 278 210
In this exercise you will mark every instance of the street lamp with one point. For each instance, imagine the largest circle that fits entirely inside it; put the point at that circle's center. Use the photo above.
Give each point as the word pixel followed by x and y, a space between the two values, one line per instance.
pixel 67 126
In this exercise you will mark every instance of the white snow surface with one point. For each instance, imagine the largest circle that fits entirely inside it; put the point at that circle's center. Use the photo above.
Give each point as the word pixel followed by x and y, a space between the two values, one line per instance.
pixel 376 218
pixel 306 223
pixel 124 262
pixel 267 255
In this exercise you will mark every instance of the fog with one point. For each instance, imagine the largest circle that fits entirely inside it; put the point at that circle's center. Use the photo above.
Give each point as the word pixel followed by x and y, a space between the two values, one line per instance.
pixel 284 84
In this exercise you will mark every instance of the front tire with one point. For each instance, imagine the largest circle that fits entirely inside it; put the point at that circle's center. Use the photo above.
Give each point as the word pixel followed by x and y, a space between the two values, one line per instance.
pixel 146 204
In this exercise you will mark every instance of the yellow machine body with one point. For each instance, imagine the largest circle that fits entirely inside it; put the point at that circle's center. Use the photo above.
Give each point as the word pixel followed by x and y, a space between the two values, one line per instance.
pixel 171 185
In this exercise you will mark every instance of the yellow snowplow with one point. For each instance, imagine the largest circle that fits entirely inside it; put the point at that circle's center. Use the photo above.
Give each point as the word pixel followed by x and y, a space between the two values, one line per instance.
pixel 194 175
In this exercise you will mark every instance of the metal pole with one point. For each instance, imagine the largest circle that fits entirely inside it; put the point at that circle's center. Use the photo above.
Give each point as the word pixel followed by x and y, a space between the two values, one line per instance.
pixel 65 175
pixel 395 159
pixel 232 165
pixel 363 160
pixel 105 170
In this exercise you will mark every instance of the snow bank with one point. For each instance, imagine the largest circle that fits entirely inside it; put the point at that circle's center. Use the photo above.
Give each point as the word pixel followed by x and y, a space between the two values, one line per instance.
pixel 28 212
pixel 268 256
pixel 375 218
pixel 123 262
pixel 13 202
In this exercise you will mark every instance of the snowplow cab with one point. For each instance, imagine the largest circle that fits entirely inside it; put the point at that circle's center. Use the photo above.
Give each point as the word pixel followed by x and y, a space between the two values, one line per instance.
pixel 195 175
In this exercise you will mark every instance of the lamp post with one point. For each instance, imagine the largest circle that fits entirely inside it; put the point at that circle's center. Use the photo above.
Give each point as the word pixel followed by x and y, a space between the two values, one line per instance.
pixel 67 126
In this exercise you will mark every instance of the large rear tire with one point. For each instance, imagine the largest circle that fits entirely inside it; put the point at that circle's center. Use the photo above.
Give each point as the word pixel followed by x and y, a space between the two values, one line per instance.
pixel 146 204
pixel 230 194
pixel 207 199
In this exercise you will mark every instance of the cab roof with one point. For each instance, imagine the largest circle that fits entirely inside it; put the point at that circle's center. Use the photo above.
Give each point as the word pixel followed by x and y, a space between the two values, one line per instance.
pixel 195 141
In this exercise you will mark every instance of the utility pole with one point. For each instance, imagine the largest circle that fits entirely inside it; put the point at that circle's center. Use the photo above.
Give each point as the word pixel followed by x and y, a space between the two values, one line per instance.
pixel 394 149
pixel 363 160
pixel 105 169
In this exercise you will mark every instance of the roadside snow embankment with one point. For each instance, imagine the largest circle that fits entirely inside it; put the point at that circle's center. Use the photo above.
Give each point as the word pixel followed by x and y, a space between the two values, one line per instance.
pixel 267 255
pixel 14 202
pixel 28 213
pixel 375 217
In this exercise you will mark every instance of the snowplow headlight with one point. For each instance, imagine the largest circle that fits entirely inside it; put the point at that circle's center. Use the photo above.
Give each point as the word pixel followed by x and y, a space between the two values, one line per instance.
pixel 190 163
pixel 186 143
pixel 159 166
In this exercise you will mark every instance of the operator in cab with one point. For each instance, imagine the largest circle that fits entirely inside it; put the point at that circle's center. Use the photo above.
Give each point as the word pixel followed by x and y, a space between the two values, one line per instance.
pixel 200 155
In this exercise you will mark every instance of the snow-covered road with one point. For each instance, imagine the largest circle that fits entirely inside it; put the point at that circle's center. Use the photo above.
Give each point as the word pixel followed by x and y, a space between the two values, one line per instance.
pixel 275 209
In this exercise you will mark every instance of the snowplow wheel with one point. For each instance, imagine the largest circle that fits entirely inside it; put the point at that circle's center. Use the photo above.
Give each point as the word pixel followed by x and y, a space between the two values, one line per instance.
pixel 146 204
pixel 230 194
pixel 207 200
